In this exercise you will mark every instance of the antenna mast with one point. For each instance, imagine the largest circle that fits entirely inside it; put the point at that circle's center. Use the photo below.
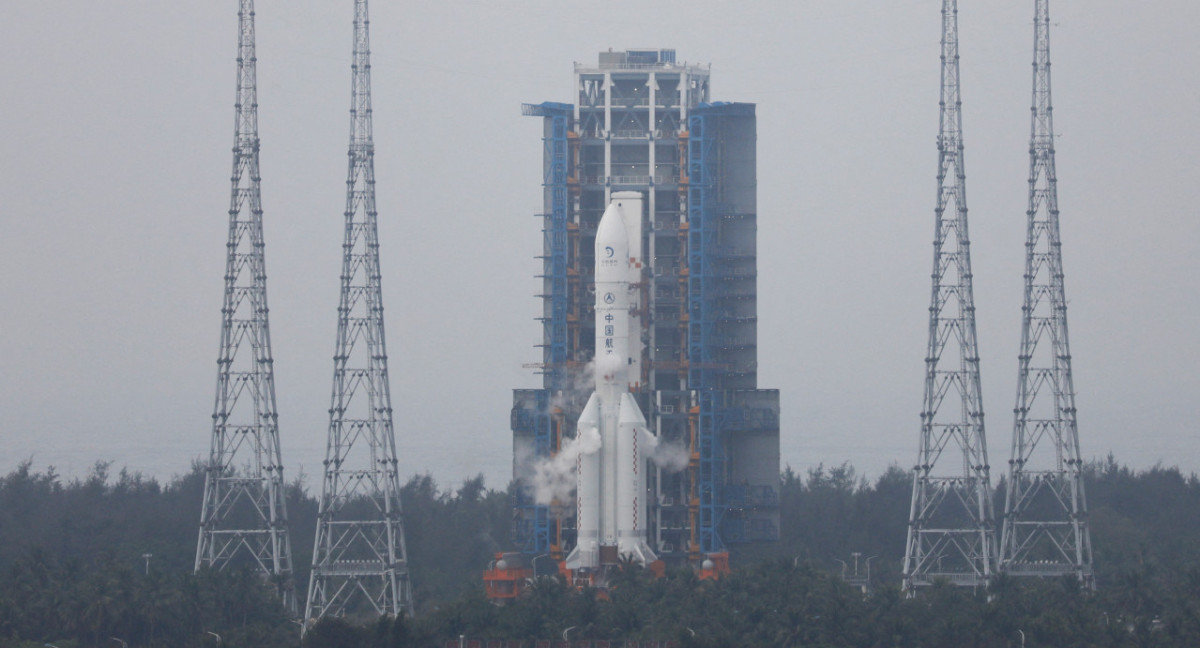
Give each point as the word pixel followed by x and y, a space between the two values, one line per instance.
pixel 950 528
pixel 1045 530
pixel 360 563
pixel 243 520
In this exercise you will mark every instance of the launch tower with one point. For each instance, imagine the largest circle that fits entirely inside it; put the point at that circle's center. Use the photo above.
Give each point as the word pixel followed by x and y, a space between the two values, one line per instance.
pixel 951 531
pixel 1045 529
pixel 642 122
pixel 243 519
pixel 360 563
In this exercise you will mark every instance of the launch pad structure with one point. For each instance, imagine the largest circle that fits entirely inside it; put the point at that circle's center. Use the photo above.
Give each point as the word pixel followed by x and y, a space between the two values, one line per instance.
pixel 644 136
pixel 642 122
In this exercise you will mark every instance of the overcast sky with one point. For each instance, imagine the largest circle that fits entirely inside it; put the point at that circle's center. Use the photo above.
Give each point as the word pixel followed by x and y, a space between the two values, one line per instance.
pixel 116 121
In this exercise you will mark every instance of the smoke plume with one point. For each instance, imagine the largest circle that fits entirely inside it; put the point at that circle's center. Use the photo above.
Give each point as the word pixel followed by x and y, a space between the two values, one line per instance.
pixel 554 478
pixel 671 457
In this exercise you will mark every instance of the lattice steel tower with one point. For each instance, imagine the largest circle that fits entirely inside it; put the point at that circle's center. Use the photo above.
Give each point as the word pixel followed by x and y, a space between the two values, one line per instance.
pixel 359 559
pixel 950 529
pixel 244 519
pixel 1045 530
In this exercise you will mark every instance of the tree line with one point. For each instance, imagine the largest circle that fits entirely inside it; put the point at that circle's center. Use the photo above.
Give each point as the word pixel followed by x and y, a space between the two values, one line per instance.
pixel 106 560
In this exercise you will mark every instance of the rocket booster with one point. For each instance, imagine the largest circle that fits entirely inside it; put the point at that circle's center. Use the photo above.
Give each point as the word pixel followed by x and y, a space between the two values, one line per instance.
pixel 611 486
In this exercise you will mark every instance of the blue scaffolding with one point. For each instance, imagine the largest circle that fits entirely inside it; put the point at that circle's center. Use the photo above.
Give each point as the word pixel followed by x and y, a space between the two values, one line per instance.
pixel 742 501
pixel 710 267
pixel 703 374
pixel 531 526
pixel 534 533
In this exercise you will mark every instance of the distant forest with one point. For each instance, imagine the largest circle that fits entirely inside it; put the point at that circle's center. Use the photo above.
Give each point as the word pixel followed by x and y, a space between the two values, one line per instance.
pixel 106 561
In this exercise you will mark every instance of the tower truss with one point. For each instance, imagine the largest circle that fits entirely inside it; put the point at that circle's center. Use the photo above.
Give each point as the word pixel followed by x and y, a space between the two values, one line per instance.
pixel 360 564
pixel 951 527
pixel 243 519
pixel 1045 528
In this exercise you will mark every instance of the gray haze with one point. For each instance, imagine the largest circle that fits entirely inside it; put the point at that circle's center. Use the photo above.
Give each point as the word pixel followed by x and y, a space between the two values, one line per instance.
pixel 117 122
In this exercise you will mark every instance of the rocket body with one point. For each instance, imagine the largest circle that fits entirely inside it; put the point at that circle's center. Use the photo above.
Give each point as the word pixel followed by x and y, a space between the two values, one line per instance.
pixel 611 481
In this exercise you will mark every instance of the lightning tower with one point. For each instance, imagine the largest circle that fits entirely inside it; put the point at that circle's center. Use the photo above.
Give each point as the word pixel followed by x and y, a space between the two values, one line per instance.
pixel 360 563
pixel 1045 528
pixel 950 527
pixel 243 519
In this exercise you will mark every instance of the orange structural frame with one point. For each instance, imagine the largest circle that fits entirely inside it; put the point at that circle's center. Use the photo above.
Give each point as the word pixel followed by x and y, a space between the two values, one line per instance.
pixel 503 581
pixel 715 566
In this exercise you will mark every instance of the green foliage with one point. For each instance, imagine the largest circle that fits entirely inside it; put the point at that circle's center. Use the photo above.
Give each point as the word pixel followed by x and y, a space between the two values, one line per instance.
pixel 51 602
pixel 72 559
pixel 451 536
pixel 72 574
pixel 832 513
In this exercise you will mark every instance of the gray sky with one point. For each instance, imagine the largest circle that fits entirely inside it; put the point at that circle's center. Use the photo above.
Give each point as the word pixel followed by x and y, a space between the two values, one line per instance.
pixel 114 185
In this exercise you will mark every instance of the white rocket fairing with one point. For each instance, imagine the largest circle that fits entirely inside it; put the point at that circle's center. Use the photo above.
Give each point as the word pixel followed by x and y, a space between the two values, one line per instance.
pixel 611 486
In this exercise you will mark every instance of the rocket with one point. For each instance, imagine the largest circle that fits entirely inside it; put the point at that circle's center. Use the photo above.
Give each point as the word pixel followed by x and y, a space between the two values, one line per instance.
pixel 611 473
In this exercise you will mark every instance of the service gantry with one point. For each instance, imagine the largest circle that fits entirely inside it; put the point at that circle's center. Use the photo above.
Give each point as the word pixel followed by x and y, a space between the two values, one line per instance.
pixel 642 121
pixel 951 532
pixel 243 519
pixel 360 564
pixel 1045 527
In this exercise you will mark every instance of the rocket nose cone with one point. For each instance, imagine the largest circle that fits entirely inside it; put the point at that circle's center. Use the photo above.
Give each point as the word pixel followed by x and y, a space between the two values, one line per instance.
pixel 630 413
pixel 611 240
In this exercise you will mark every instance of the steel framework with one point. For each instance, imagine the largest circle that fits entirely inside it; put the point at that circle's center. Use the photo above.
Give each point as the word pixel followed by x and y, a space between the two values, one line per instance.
pixel 951 531
pixel 701 288
pixel 641 121
pixel 1045 528
pixel 360 564
pixel 243 519
pixel 533 530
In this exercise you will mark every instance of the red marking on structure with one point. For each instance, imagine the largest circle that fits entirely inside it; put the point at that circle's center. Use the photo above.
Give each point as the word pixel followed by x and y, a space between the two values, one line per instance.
pixel 635 455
